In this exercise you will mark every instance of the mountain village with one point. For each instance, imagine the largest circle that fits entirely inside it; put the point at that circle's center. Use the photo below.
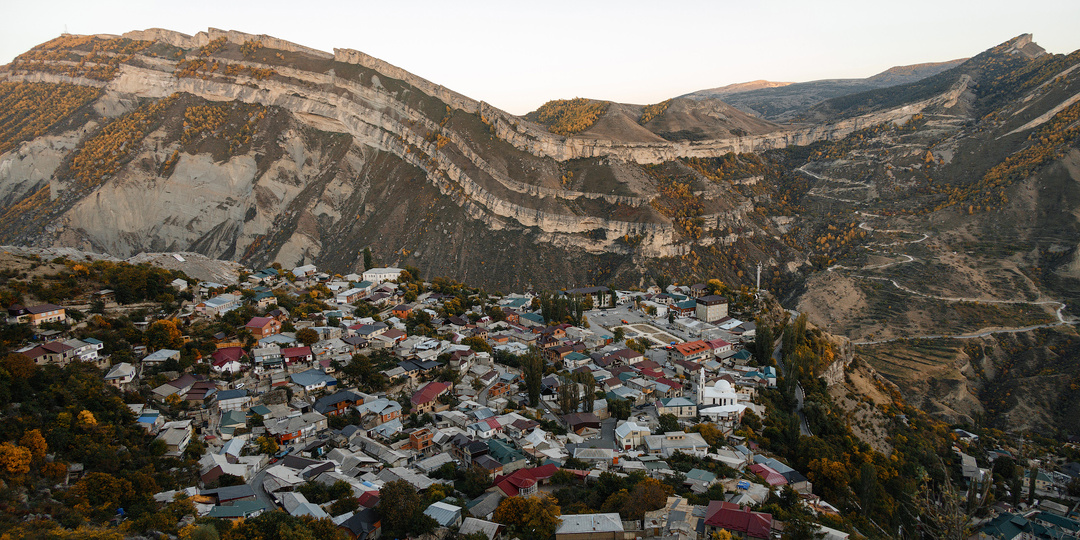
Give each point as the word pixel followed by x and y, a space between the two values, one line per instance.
pixel 387 385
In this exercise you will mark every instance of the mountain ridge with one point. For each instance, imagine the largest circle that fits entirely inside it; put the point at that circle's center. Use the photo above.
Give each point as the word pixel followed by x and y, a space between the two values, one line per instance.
pixel 392 111
pixel 888 210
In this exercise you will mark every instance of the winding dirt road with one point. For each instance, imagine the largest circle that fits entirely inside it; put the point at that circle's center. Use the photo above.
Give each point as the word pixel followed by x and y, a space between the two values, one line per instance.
pixel 1059 312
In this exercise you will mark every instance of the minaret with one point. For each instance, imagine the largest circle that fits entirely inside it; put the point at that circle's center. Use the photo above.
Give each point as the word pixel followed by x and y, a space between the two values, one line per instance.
pixel 757 284
pixel 701 386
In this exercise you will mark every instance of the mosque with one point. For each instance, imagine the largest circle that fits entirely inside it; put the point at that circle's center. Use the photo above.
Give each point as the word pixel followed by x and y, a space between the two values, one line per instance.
pixel 719 402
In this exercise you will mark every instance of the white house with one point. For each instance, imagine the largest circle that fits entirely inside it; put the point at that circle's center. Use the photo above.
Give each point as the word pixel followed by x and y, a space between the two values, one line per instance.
pixel 679 406
pixel 86 350
pixel 676 441
pixel 218 305
pixel 233 400
pixel 304 271
pixel 379 275
pixel 176 436
pixel 120 374
pixel 630 435
pixel 161 355
pixel 349 296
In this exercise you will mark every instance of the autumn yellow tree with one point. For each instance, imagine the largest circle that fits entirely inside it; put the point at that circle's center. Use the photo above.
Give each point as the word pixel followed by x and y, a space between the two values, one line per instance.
pixel 531 518
pixel 87 419
pixel 33 440
pixel 709 432
pixel 19 366
pixel 266 445
pixel 100 494
pixel 648 495
pixel 163 334
pixel 15 460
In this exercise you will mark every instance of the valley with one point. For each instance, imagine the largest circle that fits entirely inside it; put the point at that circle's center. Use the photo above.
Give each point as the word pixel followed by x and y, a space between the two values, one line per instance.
pixel 935 203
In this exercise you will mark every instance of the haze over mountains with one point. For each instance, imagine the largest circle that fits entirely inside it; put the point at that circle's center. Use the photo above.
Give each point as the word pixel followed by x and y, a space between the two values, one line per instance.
pixel 858 195
pixel 785 101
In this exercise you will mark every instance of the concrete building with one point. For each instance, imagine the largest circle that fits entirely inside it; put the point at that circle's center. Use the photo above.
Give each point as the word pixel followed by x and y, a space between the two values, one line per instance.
pixel 379 275
pixel 590 527
pixel 711 308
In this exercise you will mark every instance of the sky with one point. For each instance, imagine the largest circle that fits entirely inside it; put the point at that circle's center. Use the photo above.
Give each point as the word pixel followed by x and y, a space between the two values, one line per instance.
pixel 517 55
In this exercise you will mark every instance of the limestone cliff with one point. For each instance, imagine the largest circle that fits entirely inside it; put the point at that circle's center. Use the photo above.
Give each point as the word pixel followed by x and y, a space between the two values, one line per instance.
pixel 353 152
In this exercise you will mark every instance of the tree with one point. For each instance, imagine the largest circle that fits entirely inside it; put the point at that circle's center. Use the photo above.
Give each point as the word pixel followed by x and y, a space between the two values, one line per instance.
pixel 620 334
pixel 267 445
pixel 751 420
pixel 763 345
pixel 648 495
pixel 400 509
pixel 712 435
pixel 19 366
pixel 942 512
pixel 722 534
pixel 715 286
pixel 282 526
pixel 867 487
pixel 163 334
pixel 87 419
pixel 307 336
pixel 343 505
pixel 369 262
pixel 473 481
pixel 569 395
pixel 590 390
pixel 101 494
pixel 662 282
pixel 477 344
pixel 533 518
pixel 533 366
pixel 34 442
pixel 639 345
pixel 1033 475
pixel 619 408
pixel 668 422
pixel 15 460
pixel 205 531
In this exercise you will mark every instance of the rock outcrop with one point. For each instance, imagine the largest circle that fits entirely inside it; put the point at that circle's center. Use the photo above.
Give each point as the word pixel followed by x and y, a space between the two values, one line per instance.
pixel 502 172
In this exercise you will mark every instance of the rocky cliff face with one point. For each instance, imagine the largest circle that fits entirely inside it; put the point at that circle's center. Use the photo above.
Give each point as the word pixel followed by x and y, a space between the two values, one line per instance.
pixel 322 175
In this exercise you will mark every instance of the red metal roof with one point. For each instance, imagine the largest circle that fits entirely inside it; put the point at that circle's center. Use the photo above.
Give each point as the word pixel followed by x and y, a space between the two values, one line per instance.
pixel 294 352
pixel 228 354
pixel 738 519
pixel 523 478
pixel 717 343
pixel 258 322
pixel 769 474
pixel 429 392
pixel 691 348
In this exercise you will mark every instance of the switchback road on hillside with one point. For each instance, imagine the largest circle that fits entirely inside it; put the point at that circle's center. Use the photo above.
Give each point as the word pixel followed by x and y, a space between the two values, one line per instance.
pixel 982 332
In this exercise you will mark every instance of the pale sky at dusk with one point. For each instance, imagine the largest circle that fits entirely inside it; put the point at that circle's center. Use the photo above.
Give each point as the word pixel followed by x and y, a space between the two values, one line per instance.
pixel 516 55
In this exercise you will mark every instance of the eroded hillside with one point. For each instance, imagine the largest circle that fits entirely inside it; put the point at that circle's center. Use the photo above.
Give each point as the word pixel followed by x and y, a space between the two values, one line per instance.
pixel 254 149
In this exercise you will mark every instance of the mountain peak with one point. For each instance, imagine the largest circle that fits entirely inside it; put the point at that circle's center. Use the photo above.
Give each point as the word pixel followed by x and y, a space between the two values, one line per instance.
pixel 1025 45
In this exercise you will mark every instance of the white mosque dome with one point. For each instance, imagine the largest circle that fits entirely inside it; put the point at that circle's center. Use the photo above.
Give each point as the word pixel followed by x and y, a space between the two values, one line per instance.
pixel 723 387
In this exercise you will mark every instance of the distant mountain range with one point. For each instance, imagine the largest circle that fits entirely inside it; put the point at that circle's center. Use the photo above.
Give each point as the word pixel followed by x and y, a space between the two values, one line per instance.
pixel 787 102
